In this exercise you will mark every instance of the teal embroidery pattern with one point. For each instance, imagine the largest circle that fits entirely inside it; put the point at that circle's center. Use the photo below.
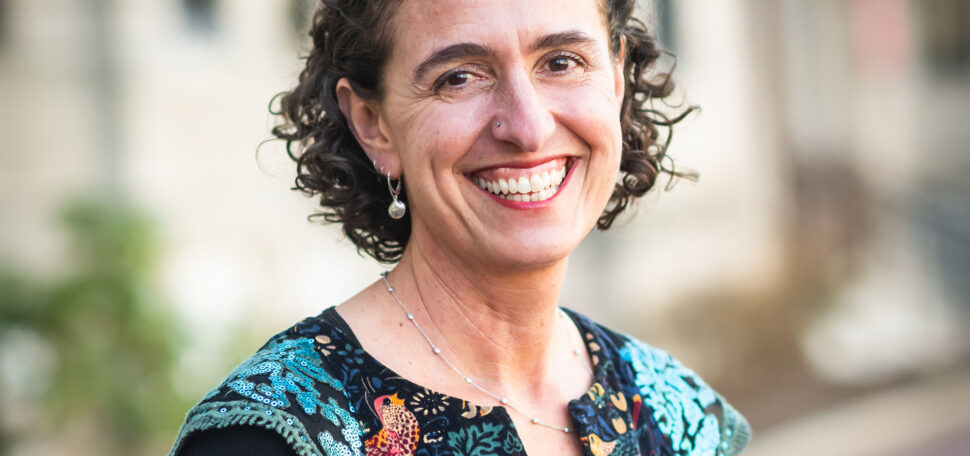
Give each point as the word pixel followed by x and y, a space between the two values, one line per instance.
pixel 512 443
pixel 476 440
pixel 291 366
pixel 316 387
pixel 349 429
pixel 332 447
pixel 286 369
pixel 680 400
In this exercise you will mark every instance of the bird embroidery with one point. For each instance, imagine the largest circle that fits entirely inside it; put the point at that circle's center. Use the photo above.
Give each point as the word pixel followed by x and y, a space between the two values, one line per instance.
pixel 598 447
pixel 621 442
pixel 399 429
pixel 625 445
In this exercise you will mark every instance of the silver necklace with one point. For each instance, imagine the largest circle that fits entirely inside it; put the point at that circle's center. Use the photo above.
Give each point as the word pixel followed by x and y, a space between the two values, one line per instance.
pixel 501 400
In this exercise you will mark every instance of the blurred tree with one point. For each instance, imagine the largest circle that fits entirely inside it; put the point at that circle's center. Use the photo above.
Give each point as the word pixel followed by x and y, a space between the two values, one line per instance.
pixel 300 12
pixel 113 340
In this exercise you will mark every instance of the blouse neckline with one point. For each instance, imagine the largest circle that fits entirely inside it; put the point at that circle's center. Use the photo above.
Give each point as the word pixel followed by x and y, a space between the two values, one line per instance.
pixel 372 365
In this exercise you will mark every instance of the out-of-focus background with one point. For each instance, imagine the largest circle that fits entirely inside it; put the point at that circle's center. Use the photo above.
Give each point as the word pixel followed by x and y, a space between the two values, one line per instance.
pixel 818 274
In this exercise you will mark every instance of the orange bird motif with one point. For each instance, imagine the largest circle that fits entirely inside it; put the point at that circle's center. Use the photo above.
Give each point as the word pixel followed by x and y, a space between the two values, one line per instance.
pixel 399 429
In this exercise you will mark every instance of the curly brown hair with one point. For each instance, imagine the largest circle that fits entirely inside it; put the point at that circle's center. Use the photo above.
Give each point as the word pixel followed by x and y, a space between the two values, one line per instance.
pixel 352 39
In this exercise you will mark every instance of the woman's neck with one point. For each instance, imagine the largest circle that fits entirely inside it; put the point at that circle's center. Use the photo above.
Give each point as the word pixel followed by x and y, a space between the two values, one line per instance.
pixel 499 326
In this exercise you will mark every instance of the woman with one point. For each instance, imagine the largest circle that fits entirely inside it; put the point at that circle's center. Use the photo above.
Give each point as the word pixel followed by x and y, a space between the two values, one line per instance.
pixel 473 144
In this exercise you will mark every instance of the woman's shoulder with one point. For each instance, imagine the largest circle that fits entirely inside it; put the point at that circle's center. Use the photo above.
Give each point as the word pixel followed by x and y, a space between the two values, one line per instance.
pixel 286 387
pixel 686 409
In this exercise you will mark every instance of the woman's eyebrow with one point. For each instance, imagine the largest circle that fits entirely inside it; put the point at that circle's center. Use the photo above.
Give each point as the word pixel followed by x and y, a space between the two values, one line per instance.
pixel 455 51
pixel 464 50
pixel 561 39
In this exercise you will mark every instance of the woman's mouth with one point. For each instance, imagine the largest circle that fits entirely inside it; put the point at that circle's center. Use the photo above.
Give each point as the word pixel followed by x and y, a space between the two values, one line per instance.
pixel 534 184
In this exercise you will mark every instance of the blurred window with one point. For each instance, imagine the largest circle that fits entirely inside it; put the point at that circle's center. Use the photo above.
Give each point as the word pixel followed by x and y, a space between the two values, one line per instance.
pixel 945 25
pixel 200 15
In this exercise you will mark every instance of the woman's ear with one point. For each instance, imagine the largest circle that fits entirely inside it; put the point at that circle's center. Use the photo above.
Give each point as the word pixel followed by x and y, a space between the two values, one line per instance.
pixel 619 81
pixel 365 122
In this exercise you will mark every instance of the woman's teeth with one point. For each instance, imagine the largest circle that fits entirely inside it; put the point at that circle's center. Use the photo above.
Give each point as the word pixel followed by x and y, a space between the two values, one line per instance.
pixel 535 187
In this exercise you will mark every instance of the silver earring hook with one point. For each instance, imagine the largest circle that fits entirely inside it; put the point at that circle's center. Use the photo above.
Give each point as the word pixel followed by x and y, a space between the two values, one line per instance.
pixel 395 191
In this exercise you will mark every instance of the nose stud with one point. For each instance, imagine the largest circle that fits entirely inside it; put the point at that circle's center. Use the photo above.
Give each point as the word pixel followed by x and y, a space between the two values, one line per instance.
pixel 498 124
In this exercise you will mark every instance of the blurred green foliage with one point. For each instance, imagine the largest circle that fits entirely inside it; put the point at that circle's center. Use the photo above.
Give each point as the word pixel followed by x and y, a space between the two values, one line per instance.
pixel 113 338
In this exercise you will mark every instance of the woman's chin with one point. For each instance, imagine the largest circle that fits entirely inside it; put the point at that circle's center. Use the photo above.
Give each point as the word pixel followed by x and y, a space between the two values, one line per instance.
pixel 529 251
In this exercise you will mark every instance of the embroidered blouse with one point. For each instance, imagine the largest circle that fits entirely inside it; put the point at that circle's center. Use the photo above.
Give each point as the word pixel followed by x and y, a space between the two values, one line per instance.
pixel 316 388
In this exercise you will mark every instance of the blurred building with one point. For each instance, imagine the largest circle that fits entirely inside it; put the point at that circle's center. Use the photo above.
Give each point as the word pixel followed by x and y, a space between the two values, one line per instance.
pixel 823 255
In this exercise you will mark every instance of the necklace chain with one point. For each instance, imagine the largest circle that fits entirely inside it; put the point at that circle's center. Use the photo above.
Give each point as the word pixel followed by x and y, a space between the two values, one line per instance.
pixel 500 399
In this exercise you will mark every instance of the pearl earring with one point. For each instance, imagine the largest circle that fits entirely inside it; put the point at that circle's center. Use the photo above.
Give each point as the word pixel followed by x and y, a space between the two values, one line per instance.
pixel 397 208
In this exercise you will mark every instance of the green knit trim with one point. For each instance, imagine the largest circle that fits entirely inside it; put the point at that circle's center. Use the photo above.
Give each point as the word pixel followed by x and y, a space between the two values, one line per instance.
pixel 220 415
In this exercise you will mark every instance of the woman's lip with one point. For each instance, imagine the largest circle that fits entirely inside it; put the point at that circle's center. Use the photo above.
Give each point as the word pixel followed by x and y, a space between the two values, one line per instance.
pixel 546 167
pixel 521 164
pixel 570 164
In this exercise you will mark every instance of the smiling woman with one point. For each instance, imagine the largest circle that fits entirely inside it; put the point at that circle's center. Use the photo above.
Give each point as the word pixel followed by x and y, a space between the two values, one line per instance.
pixel 473 145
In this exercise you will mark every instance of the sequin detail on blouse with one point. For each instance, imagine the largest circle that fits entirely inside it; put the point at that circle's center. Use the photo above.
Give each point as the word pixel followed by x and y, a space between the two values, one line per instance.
pixel 682 403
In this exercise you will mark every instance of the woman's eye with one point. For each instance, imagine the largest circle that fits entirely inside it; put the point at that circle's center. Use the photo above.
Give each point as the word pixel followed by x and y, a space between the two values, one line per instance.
pixel 559 64
pixel 563 63
pixel 458 79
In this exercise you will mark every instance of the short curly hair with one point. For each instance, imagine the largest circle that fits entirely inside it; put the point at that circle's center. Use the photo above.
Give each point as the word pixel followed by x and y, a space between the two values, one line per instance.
pixel 352 39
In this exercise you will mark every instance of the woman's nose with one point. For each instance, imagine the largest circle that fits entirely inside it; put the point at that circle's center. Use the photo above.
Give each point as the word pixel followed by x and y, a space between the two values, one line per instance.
pixel 523 118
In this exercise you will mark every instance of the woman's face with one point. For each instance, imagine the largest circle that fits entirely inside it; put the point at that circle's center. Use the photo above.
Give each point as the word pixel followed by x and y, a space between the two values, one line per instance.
pixel 521 98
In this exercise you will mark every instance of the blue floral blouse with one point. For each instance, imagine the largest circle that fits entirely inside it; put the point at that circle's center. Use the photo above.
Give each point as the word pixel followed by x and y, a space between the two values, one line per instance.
pixel 316 387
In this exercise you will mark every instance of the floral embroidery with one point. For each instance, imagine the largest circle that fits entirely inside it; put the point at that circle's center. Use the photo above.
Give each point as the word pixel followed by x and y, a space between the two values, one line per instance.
pixel 471 410
pixel 512 443
pixel 351 354
pixel 425 402
pixel 475 440
pixel 326 345
pixel 593 348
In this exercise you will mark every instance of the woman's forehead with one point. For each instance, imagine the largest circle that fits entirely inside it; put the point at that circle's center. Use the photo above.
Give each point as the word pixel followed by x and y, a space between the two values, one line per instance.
pixel 424 25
